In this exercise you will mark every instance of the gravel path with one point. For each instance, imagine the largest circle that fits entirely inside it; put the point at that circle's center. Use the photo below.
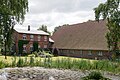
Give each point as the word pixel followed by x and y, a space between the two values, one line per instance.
pixel 39 73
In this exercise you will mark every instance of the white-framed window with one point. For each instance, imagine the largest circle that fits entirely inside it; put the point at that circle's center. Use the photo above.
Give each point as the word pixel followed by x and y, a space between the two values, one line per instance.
pixel 31 37
pixel 100 53
pixel 39 37
pixel 24 48
pixel 45 38
pixel 31 47
pixel 45 46
pixel 24 37
pixel 89 53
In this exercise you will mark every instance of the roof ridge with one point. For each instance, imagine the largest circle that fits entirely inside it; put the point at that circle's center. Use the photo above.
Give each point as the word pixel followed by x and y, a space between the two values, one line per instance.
pixel 83 23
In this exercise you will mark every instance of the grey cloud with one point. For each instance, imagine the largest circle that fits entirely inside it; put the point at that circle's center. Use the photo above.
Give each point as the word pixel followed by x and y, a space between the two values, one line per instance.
pixel 57 12
pixel 44 6
pixel 55 19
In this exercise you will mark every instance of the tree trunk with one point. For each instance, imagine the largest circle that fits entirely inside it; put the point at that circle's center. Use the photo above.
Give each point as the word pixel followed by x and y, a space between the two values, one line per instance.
pixel 5 50
pixel 114 50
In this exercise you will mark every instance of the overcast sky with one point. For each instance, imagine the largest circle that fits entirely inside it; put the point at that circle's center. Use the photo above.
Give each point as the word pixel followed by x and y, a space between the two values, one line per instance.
pixel 58 12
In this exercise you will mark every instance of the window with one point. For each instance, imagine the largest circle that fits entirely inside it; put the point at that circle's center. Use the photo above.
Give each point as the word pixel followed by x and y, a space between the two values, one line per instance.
pixel 24 36
pixel 89 53
pixel 31 37
pixel 81 52
pixel 24 48
pixel 60 51
pixel 45 38
pixel 77 51
pixel 45 46
pixel 72 51
pixel 31 47
pixel 39 37
pixel 65 51
pixel 100 53
pixel 39 46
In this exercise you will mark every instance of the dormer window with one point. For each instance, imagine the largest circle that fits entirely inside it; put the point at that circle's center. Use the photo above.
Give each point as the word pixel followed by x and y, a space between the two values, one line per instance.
pixel 31 37
pixel 24 36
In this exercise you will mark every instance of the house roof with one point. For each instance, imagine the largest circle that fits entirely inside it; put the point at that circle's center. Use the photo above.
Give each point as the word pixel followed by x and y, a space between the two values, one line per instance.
pixel 31 31
pixel 86 36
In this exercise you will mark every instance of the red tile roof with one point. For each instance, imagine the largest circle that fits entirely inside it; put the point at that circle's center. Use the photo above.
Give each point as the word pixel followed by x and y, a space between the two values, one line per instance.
pixel 87 36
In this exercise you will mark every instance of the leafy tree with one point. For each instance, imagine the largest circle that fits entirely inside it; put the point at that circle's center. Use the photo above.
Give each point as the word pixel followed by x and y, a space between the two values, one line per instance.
pixel 44 28
pixel 11 11
pixel 56 28
pixel 110 11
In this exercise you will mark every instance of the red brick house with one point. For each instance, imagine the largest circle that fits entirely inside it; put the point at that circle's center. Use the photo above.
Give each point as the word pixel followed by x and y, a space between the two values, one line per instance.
pixel 86 40
pixel 43 39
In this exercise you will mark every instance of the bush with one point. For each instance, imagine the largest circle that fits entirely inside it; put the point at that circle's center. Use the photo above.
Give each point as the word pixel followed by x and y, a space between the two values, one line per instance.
pixel 47 54
pixel 36 53
pixel 55 52
pixel 2 64
pixel 31 55
pixel 20 62
pixel 32 61
pixel 20 45
pixel 35 46
pixel 13 62
pixel 95 76
pixel 41 54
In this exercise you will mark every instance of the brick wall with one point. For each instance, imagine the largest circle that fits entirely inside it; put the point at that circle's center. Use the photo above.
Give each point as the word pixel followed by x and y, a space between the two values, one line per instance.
pixel 19 36
pixel 90 54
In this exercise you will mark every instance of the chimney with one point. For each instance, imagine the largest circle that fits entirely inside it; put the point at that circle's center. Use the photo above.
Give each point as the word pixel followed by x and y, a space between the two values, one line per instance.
pixel 28 27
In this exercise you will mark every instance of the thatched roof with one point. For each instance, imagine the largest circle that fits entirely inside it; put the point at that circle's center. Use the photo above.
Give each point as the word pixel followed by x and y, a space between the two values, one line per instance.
pixel 87 36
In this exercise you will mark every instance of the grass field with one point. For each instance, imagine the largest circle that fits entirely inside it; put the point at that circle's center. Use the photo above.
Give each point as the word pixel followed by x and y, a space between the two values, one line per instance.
pixel 61 63
pixel 10 58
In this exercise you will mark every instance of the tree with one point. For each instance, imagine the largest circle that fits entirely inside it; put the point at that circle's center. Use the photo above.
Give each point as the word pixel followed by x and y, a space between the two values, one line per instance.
pixel 110 11
pixel 44 28
pixel 11 11
pixel 56 28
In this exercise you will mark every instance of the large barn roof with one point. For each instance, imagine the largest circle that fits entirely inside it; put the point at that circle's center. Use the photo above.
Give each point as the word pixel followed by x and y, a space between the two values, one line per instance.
pixel 86 36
